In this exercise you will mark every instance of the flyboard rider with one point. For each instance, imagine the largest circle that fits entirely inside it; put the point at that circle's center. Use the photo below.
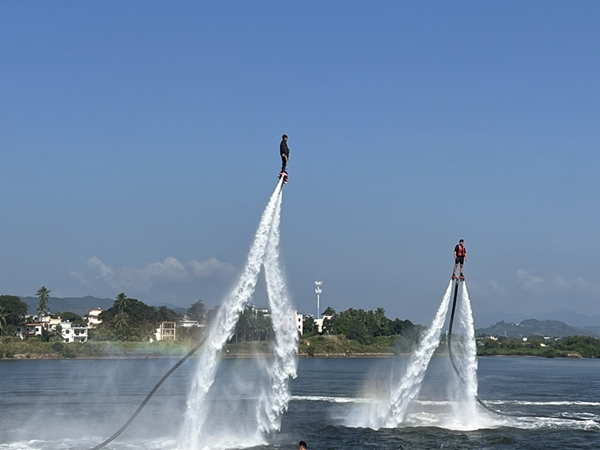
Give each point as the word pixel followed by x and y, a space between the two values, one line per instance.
pixel 460 256
pixel 284 151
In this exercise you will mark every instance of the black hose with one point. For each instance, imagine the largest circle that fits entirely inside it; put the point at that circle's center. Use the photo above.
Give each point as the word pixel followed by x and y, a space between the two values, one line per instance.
pixel 494 411
pixel 148 397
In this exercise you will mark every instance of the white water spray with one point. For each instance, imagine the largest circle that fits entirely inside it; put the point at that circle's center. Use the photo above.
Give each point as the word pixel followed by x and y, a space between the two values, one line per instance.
pixel 470 353
pixel 223 327
pixel 274 390
pixel 391 408
pixel 275 399
pixel 463 391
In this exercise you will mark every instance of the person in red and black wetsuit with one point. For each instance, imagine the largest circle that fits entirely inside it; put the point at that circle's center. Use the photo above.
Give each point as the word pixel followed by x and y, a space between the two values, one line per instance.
pixel 460 256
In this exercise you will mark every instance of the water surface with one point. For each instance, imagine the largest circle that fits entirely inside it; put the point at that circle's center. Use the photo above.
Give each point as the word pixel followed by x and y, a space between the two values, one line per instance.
pixel 76 404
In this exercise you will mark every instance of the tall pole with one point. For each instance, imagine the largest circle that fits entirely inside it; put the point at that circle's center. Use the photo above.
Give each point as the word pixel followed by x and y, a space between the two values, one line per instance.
pixel 318 290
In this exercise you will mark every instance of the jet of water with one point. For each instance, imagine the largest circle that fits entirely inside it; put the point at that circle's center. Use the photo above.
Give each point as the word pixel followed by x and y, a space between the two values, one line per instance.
pixel 390 408
pixel 222 329
pixel 408 390
pixel 274 401
pixel 464 350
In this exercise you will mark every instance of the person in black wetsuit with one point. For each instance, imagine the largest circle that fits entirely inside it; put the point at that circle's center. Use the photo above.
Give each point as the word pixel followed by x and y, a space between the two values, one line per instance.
pixel 284 151
pixel 460 256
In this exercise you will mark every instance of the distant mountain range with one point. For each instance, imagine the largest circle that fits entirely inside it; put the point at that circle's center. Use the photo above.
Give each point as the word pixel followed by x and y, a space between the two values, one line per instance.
pixel 533 327
pixel 82 305
pixel 564 315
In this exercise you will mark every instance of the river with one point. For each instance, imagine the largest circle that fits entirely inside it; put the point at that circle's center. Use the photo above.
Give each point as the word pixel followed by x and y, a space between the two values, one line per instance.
pixel 76 404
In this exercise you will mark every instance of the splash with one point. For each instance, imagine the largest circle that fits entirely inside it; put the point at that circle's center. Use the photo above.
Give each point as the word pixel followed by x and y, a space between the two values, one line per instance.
pixel 390 408
pixel 463 388
pixel 274 395
pixel 275 399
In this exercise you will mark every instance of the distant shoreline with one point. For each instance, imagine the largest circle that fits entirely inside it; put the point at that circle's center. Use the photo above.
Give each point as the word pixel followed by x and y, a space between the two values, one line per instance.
pixel 31 357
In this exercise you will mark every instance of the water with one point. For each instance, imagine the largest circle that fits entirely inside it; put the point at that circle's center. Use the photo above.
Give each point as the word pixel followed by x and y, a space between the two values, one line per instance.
pixel 282 367
pixel 206 421
pixel 463 388
pixel 388 407
pixel 75 404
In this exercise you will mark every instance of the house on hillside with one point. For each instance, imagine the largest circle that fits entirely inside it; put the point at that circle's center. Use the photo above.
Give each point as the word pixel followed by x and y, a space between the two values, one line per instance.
pixel 93 318
pixel 72 333
pixel 166 331
pixel 30 329
pixel 69 332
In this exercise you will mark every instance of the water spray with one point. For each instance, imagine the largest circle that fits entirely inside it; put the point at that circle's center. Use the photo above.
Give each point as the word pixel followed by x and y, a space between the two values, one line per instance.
pixel 467 313
pixel 264 250
pixel 391 407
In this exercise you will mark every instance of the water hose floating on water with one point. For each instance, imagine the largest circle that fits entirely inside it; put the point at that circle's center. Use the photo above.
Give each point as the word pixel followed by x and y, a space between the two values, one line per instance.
pixel 148 397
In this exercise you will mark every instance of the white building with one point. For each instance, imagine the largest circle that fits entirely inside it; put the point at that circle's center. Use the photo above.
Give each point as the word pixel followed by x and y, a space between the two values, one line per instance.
pixel 166 331
pixel 69 332
pixel 320 321
pixel 300 323
pixel 30 329
pixel 186 323
pixel 93 318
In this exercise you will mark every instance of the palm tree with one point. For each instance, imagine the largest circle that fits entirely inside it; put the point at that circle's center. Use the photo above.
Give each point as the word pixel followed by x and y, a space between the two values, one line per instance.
pixel 43 294
pixel 122 302
pixel 56 335
pixel 197 311
pixel 3 314
pixel 145 332
pixel 120 323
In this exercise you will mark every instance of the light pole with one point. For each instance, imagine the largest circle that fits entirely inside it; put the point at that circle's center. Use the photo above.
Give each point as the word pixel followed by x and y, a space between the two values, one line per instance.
pixel 318 290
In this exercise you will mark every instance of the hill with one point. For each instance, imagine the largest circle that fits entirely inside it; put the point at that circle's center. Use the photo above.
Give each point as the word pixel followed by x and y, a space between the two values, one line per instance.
pixel 82 305
pixel 533 327
pixel 77 305
pixel 573 318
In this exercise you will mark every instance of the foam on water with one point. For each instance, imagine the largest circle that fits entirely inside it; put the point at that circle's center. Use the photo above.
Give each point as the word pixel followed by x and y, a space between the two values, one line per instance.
pixel 275 399
pixel 463 389
pixel 272 384
pixel 390 407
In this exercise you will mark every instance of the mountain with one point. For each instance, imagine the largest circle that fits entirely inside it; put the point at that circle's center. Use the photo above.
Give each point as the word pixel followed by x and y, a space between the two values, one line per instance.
pixel 83 305
pixel 533 327
pixel 576 319
pixel 563 315
pixel 77 305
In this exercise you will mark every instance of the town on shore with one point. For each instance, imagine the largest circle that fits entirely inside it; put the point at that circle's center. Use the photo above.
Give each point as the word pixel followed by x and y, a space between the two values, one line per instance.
pixel 131 328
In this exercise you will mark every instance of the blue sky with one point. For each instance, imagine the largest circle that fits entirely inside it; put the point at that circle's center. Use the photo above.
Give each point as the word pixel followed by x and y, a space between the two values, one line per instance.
pixel 139 146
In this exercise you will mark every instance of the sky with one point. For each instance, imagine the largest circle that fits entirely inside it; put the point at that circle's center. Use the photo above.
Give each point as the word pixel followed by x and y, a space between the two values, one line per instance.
pixel 139 146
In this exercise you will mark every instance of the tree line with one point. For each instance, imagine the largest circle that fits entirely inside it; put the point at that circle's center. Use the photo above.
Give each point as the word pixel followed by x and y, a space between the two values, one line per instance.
pixel 585 346
pixel 362 326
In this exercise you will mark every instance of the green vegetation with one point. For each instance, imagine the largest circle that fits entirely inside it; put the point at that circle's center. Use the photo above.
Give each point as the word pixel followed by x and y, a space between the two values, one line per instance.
pixel 75 319
pixel 43 294
pixel 36 348
pixel 578 346
pixel 364 326
pixel 131 320
pixel 12 314
pixel 129 325
pixel 340 345
pixel 356 332
pixel 253 325
pixel 197 311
